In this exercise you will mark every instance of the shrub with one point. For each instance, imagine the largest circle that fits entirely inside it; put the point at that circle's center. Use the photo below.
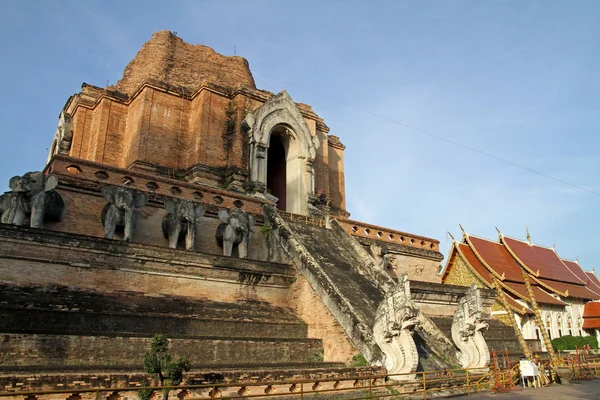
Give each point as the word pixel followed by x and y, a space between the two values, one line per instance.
pixel 159 361
pixel 571 342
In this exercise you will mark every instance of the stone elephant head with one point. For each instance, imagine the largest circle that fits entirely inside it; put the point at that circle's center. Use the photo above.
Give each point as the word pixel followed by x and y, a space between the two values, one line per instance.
pixel 32 196
pixel 181 221
pixel 234 229
pixel 120 210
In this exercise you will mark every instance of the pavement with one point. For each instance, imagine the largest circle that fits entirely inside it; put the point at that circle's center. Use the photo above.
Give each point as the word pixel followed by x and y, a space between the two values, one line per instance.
pixel 588 390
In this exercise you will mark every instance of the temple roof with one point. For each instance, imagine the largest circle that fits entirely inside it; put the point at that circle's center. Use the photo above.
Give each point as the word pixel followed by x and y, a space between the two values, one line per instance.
pixel 542 262
pixel 594 283
pixel 569 289
pixel 474 263
pixel 574 267
pixel 591 315
pixel 482 272
pixel 541 296
pixel 510 260
pixel 497 257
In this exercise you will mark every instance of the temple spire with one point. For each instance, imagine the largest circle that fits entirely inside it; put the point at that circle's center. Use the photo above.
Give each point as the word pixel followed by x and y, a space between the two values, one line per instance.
pixel 452 237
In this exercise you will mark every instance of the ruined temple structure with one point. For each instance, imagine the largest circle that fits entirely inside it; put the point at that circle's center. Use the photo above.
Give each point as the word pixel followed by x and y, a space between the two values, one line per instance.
pixel 541 294
pixel 185 201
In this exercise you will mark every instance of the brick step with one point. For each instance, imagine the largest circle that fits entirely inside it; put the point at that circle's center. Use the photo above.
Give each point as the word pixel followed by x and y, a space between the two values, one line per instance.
pixel 88 323
pixel 199 370
pixel 46 352
pixel 65 298
pixel 61 309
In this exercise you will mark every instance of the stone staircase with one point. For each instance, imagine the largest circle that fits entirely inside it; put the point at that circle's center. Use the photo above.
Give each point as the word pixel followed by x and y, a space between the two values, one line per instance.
pixel 45 328
pixel 336 268
pixel 75 303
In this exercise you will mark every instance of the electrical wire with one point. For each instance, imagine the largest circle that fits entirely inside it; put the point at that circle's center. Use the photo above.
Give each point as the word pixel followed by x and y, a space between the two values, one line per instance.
pixel 442 138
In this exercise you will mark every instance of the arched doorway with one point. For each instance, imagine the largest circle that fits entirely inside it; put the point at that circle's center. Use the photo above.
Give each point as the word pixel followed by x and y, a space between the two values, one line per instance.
pixel 276 169
pixel 278 123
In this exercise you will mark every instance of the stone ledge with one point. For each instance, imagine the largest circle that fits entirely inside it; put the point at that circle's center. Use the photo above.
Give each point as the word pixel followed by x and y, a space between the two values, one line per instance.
pixel 115 254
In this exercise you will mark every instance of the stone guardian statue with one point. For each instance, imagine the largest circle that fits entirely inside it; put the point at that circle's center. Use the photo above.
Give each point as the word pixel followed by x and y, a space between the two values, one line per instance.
pixel 32 197
pixel 467 326
pixel 120 210
pixel 181 221
pixel 395 321
pixel 234 229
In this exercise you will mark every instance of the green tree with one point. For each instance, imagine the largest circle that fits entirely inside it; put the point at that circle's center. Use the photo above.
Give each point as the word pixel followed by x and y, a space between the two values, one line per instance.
pixel 158 361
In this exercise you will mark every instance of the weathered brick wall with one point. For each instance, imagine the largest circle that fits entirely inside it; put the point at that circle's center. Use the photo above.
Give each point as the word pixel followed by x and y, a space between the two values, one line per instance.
pixel 167 58
pixel 337 188
pixel 84 204
pixel 321 324
pixel 98 351
pixel 170 110
pixel 33 258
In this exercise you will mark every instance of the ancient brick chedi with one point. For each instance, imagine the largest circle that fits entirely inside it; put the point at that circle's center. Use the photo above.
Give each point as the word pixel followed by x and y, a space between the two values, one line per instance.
pixel 183 111
pixel 185 201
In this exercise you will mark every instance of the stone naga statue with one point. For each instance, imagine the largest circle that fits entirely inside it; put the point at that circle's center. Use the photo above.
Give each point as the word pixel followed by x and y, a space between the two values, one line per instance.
pixel 120 210
pixel 467 326
pixel 395 320
pixel 181 220
pixel 32 196
pixel 235 229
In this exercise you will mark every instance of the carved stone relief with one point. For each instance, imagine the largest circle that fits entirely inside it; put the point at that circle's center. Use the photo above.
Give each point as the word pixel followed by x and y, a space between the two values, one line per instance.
pixel 467 326
pixel 395 321
pixel 32 200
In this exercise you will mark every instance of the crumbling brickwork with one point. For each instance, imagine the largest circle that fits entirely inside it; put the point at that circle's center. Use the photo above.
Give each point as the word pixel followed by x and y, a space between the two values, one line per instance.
pixel 178 110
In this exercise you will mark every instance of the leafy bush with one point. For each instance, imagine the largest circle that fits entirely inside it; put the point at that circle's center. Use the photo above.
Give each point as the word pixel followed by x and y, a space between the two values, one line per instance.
pixel 571 342
pixel 158 361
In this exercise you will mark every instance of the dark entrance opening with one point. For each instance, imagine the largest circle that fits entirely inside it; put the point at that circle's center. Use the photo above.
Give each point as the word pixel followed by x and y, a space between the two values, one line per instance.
pixel 276 174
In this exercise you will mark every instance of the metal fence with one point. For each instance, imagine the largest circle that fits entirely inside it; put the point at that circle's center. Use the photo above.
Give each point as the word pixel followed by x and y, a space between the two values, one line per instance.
pixel 373 386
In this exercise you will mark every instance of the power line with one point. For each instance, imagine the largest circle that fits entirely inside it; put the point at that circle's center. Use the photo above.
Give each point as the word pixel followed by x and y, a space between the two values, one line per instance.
pixel 441 138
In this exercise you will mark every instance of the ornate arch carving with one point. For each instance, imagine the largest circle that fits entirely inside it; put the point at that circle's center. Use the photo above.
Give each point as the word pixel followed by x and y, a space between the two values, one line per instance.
pixel 280 110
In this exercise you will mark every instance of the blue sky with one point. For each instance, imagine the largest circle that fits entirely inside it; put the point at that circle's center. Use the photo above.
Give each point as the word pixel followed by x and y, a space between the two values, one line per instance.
pixel 515 79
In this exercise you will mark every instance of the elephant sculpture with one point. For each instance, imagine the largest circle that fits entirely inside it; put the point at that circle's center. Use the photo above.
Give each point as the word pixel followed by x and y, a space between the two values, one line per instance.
pixel 235 229
pixel 181 221
pixel 120 210
pixel 32 196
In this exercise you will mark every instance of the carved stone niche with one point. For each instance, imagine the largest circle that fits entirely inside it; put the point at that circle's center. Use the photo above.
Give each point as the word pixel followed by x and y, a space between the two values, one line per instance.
pixel 32 200
pixel 395 321
pixel 468 325
pixel 281 116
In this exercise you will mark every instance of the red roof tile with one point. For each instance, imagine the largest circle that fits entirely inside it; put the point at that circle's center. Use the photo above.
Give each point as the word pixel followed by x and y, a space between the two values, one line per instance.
pixel 576 291
pixel 576 270
pixel 540 296
pixel 513 303
pixel 594 282
pixel 591 309
pixel 541 259
pixel 497 257
pixel 474 262
pixel 591 323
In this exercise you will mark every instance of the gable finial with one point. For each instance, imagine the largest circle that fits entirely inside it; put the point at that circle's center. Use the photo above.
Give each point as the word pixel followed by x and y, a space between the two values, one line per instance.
pixel 499 233
pixel 461 228
pixel 454 240
pixel 577 259
pixel 528 236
